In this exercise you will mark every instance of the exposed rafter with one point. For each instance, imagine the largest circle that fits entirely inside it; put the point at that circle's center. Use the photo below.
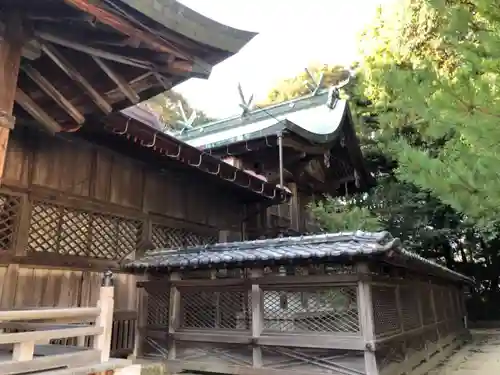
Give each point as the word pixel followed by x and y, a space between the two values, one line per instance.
pixel 51 91
pixel 118 23
pixel 36 112
pixel 120 82
pixel 94 52
pixel 71 72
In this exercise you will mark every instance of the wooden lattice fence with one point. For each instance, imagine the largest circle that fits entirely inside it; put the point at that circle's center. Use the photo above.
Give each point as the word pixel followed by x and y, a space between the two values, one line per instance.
pixel 68 231
pixel 35 228
pixel 10 210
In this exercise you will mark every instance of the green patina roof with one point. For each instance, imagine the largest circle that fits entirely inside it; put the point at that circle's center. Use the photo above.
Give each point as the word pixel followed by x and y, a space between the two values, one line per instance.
pixel 310 117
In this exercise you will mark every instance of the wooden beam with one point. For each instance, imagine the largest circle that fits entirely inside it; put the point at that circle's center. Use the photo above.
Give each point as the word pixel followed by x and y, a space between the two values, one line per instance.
pixel 71 72
pixel 51 91
pixel 36 112
pixel 95 52
pixel 119 80
pixel 116 22
pixel 11 45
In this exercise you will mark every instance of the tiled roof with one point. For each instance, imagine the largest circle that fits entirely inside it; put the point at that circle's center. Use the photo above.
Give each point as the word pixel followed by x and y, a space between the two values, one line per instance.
pixel 329 246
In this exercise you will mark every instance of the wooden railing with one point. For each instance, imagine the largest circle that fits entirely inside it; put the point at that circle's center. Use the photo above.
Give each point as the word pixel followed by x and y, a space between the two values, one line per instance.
pixel 124 327
pixel 27 336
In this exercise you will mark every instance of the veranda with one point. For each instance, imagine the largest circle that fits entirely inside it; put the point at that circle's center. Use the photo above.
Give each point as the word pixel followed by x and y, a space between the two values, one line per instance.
pixel 349 304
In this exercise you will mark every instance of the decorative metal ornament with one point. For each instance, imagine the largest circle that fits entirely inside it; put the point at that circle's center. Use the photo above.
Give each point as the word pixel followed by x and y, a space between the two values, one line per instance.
pixel 327 155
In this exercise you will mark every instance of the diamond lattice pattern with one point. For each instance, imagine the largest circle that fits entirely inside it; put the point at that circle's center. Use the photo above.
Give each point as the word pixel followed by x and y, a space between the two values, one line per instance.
pixel 67 231
pixel 228 309
pixel 327 309
pixel 9 214
pixel 165 237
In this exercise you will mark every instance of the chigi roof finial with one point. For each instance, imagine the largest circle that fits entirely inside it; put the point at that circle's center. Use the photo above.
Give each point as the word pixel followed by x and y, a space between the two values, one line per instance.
pixel 245 104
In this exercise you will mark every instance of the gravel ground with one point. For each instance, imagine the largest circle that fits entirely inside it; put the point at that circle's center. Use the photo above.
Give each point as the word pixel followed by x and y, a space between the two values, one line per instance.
pixel 480 357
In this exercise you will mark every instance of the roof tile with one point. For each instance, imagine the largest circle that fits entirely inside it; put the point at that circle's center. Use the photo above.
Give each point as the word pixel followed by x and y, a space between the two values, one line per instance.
pixel 328 245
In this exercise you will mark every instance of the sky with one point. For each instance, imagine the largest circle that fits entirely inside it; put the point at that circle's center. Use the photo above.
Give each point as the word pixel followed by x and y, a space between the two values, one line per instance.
pixel 292 34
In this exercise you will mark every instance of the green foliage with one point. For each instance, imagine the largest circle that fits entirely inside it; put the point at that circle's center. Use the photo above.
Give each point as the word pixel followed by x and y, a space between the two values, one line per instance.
pixel 166 105
pixel 425 102
pixel 440 77
pixel 334 215
pixel 295 87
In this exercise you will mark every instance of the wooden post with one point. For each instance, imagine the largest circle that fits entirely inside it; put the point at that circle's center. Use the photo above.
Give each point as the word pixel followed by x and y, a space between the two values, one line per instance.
pixel 399 308
pixel 366 320
pixel 105 318
pixel 11 45
pixel 21 242
pixel 23 351
pixel 224 236
pixel 257 318
pixel 294 207
pixel 142 318
pixel 434 312
pixel 175 315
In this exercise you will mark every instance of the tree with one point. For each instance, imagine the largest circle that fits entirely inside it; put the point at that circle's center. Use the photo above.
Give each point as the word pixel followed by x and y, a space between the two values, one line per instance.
pixel 421 220
pixel 167 106
pixel 433 67
pixel 295 86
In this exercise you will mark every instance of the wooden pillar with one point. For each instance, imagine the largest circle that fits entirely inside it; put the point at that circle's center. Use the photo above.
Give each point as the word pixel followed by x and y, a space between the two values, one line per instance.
pixel 105 318
pixel 366 320
pixel 399 308
pixel 175 315
pixel 142 320
pixel 434 313
pixel 11 46
pixel 294 207
pixel 257 318
pixel 224 236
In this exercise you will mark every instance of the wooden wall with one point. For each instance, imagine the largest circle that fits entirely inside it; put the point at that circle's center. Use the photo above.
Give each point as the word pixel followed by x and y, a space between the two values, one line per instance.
pixel 79 170
pixel 30 286
pixel 59 188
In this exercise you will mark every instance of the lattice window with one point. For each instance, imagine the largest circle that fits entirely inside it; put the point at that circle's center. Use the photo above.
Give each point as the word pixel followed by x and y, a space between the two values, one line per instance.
pixel 410 310
pixel 228 309
pixel 386 319
pixel 67 231
pixel 325 309
pixel 158 303
pixel 10 207
pixel 163 236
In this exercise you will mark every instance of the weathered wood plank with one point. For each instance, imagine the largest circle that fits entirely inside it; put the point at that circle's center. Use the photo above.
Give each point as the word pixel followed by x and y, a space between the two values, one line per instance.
pixel 10 59
pixel 75 75
pixel 50 362
pixel 8 338
pixel 49 313
pixel 36 112
pixel 54 93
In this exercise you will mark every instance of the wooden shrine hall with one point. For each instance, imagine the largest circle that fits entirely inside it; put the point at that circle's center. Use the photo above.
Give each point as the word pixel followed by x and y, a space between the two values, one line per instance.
pixel 338 304
pixel 307 144
pixel 85 187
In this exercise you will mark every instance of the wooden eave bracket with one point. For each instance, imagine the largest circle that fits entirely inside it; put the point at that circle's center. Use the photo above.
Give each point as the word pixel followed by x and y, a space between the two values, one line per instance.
pixel 7 121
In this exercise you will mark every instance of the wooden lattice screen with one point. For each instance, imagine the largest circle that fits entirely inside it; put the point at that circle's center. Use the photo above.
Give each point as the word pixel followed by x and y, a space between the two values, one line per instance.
pixel 163 236
pixel 68 231
pixel 433 311
pixel 10 209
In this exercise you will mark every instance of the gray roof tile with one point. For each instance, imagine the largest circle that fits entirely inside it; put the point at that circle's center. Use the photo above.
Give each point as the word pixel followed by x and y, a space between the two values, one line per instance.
pixel 276 250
